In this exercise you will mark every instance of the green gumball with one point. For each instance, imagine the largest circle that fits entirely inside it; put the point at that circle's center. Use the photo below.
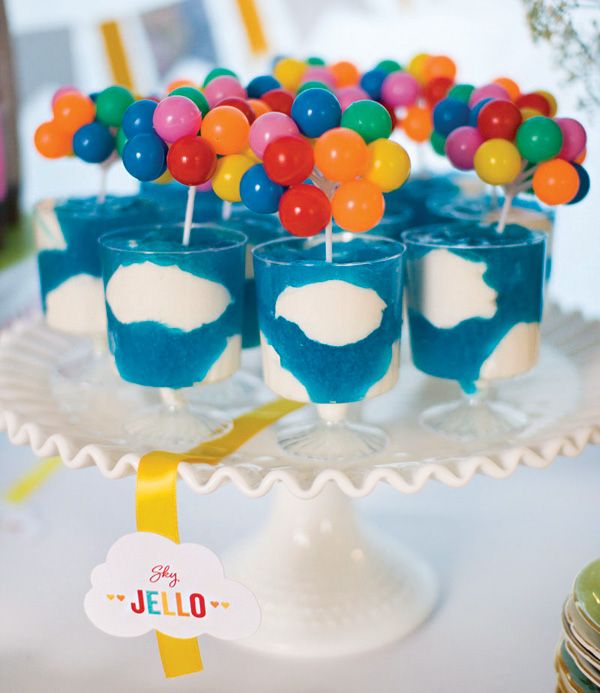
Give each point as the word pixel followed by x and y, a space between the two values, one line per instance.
pixel 111 104
pixel 315 60
pixel 539 139
pixel 388 66
pixel 194 95
pixel 438 142
pixel 370 119
pixel 461 92
pixel 313 85
pixel 218 72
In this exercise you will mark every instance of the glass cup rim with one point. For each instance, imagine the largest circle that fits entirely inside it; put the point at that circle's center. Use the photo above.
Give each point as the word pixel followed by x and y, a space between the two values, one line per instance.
pixel 401 249
pixel 536 237
pixel 237 239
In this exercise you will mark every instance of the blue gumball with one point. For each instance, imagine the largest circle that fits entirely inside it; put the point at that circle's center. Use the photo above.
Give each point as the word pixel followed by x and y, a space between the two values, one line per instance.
pixel 474 113
pixel 138 118
pixel 93 143
pixel 450 114
pixel 372 81
pixel 261 85
pixel 258 192
pixel 145 156
pixel 316 111
pixel 584 184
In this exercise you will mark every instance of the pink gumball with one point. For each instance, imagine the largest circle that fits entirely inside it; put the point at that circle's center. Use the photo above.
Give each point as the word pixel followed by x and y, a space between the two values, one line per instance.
pixel 268 128
pixel 176 117
pixel 222 88
pixel 319 74
pixel 62 90
pixel 574 138
pixel 488 91
pixel 399 89
pixel 348 95
pixel 204 187
pixel 461 145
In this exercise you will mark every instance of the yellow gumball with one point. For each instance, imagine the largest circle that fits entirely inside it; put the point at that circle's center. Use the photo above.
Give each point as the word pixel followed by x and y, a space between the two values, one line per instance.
pixel 527 113
pixel 165 178
pixel 389 165
pixel 497 162
pixel 226 181
pixel 416 66
pixel 289 72
pixel 251 155
pixel 551 101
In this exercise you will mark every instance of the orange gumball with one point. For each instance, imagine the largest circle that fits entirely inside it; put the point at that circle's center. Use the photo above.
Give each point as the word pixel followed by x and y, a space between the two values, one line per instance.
pixel 581 158
pixel 51 141
pixel 346 74
pixel 439 66
pixel 227 129
pixel 258 106
pixel 510 86
pixel 176 83
pixel 73 110
pixel 556 182
pixel 418 123
pixel 357 205
pixel 341 155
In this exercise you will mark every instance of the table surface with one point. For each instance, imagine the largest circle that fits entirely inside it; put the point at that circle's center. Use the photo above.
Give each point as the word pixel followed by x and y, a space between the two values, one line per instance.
pixel 505 553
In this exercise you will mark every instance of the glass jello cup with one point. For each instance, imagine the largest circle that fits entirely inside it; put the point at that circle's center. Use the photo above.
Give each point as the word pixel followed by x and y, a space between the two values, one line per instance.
pixel 330 335
pixel 174 321
pixel 485 208
pixel 475 299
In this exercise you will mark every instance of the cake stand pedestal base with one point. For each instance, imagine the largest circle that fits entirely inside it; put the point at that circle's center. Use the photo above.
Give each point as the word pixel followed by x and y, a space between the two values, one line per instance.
pixel 326 587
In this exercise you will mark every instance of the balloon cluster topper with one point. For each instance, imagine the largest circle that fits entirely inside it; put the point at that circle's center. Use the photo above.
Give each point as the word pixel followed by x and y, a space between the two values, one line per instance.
pixel 515 141
pixel 320 164
pixel 85 126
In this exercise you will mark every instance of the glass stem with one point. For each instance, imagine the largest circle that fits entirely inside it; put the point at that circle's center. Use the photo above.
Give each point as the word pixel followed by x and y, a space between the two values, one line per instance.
pixel 172 399
pixel 332 413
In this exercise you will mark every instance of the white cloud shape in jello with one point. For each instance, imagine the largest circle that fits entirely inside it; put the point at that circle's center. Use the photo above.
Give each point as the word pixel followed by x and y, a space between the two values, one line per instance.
pixel 332 312
pixel 165 294
pixel 77 305
pixel 150 583
pixel 448 289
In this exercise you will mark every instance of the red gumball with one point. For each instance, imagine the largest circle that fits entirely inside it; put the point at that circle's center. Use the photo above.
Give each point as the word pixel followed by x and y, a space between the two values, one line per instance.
pixel 191 160
pixel 304 210
pixel 535 101
pixel 499 120
pixel 241 104
pixel 289 160
pixel 280 100
pixel 437 89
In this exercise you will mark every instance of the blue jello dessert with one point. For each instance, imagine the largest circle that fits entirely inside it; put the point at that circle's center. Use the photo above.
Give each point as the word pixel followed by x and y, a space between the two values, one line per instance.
pixel 67 234
pixel 474 300
pixel 171 200
pixel 415 193
pixel 174 312
pixel 524 211
pixel 259 228
pixel 330 332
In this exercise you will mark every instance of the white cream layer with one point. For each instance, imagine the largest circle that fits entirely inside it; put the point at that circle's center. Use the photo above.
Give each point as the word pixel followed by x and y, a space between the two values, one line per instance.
pixel 77 306
pixel 165 294
pixel 448 289
pixel 279 379
pixel 228 363
pixel 390 378
pixel 516 353
pixel 47 231
pixel 332 312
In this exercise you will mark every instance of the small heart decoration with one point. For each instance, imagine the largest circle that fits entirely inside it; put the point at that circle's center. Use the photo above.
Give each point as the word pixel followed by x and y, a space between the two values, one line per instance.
pixel 214 604
pixel 225 605
pixel 120 597
pixel 110 596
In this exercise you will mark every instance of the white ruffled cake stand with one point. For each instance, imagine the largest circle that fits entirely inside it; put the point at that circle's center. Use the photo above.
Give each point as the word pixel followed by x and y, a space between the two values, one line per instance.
pixel 326 585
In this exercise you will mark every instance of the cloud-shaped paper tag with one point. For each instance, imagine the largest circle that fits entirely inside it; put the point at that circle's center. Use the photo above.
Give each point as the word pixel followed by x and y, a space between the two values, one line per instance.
pixel 151 583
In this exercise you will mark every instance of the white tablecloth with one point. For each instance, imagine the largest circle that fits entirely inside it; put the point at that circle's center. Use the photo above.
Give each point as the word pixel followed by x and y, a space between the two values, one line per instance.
pixel 505 553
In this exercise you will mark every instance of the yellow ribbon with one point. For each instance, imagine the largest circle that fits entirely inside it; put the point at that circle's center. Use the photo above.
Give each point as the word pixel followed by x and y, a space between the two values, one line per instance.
pixel 253 25
pixel 156 506
pixel 32 480
pixel 116 54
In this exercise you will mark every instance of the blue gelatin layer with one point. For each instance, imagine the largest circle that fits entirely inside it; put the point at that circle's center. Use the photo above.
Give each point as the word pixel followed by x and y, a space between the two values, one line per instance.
pixel 329 373
pixel 513 265
pixel 172 349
